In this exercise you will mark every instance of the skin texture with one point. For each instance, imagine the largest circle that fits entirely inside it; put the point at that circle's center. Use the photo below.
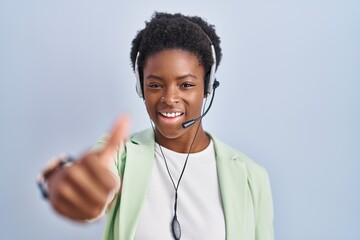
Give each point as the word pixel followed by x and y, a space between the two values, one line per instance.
pixel 81 192
pixel 173 82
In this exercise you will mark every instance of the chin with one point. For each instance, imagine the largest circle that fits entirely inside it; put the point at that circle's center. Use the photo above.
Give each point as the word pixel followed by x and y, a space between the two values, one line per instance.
pixel 169 133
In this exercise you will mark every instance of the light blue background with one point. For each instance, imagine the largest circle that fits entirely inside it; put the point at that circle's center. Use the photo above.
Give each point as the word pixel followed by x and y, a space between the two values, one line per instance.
pixel 289 98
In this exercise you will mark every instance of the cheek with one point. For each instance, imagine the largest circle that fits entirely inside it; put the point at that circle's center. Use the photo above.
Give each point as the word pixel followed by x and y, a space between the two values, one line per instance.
pixel 195 103
pixel 150 107
pixel 200 96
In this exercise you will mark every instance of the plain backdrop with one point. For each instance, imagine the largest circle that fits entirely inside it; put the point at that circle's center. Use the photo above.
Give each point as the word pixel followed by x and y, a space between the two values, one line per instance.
pixel 289 98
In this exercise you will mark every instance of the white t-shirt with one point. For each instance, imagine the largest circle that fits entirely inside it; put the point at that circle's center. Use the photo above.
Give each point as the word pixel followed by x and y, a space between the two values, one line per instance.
pixel 199 210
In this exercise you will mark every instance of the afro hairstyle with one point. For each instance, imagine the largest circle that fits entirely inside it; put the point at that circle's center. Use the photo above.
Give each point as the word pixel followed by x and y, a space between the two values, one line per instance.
pixel 176 31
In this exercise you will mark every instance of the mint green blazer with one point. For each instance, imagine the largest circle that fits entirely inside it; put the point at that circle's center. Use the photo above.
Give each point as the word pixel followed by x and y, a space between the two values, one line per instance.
pixel 244 187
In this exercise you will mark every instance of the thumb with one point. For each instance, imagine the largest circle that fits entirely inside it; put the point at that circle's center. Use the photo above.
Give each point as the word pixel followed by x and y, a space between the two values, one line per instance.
pixel 116 138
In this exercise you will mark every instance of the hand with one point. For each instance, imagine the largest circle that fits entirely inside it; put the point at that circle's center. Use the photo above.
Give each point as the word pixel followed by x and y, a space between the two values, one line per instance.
pixel 82 191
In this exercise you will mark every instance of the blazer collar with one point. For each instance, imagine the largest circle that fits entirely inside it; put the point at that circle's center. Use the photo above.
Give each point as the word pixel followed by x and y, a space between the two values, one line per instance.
pixel 232 176
pixel 138 168
pixel 233 181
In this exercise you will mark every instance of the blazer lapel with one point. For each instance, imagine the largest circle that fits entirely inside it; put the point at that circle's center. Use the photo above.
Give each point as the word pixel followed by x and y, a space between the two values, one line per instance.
pixel 140 158
pixel 233 181
pixel 232 176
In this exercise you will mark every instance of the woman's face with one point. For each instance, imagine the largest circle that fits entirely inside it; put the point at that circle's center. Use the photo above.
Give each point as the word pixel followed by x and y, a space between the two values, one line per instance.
pixel 173 91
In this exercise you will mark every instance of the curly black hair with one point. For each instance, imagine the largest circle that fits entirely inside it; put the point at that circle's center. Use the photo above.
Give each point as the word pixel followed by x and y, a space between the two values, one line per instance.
pixel 176 31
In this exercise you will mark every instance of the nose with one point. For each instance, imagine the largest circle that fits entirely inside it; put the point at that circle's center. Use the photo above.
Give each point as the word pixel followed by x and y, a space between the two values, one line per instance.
pixel 171 96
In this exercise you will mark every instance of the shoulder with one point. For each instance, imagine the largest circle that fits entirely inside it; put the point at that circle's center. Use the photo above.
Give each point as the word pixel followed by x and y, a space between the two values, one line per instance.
pixel 135 142
pixel 256 174
pixel 144 137
pixel 240 170
pixel 141 139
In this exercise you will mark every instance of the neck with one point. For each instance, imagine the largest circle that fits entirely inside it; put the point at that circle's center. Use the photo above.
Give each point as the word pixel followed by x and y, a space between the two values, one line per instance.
pixel 183 143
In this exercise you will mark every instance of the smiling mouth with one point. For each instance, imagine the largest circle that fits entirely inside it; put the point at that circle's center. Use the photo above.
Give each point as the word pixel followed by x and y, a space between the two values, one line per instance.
pixel 171 115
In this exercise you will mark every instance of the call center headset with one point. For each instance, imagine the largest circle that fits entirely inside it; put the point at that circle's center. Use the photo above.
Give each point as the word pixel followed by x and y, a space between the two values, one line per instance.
pixel 212 83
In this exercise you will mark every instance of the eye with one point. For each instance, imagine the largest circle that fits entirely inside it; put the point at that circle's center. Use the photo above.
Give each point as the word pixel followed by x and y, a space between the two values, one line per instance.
pixel 154 85
pixel 187 85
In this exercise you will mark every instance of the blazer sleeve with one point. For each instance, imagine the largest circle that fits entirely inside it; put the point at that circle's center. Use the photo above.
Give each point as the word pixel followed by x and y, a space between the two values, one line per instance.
pixel 264 229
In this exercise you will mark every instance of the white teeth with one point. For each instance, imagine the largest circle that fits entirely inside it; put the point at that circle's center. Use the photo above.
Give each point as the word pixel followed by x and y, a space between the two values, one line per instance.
pixel 171 115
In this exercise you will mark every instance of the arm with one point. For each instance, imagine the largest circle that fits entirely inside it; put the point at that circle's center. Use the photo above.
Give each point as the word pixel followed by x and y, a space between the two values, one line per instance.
pixel 83 190
pixel 264 215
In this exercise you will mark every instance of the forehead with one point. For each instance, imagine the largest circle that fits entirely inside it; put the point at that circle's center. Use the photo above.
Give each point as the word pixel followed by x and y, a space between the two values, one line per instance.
pixel 173 60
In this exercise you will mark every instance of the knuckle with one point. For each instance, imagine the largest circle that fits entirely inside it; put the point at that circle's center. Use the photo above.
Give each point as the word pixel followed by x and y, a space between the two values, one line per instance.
pixel 108 180
pixel 95 212
pixel 72 173
pixel 63 190
pixel 101 201
pixel 109 186
pixel 89 159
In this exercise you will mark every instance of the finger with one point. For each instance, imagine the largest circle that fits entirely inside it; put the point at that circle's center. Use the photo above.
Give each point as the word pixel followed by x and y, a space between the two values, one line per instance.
pixel 102 173
pixel 117 135
pixel 67 210
pixel 71 204
pixel 87 186
pixel 105 178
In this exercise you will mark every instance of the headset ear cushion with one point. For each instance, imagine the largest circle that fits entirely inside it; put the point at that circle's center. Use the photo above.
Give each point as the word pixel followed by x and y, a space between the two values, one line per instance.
pixel 139 89
pixel 206 86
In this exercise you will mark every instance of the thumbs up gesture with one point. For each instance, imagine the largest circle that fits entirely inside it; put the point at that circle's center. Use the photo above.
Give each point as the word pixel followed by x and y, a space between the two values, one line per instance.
pixel 83 191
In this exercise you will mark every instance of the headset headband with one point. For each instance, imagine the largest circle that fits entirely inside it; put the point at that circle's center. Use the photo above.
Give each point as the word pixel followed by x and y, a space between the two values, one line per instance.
pixel 212 70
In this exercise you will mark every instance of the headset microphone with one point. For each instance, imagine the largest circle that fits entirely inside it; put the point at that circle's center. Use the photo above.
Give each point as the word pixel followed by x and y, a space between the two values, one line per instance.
pixel 191 122
pixel 212 83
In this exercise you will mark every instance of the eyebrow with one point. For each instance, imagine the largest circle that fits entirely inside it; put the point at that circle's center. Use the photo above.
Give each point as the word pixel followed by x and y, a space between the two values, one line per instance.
pixel 177 78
